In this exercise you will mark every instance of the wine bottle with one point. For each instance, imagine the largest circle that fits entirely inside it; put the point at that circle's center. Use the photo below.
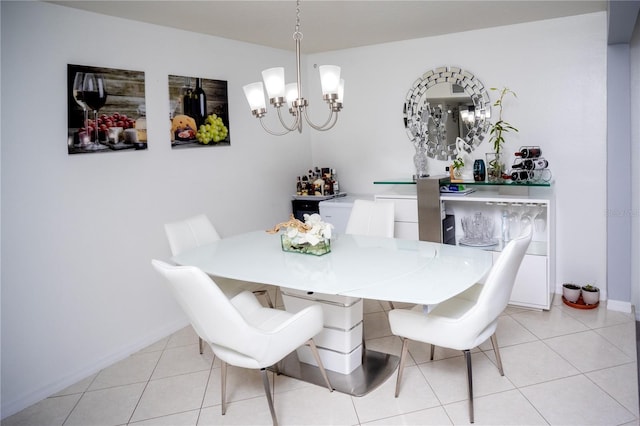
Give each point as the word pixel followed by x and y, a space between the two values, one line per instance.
pixel 336 184
pixel 530 152
pixel 198 104
pixel 299 186
pixel 521 175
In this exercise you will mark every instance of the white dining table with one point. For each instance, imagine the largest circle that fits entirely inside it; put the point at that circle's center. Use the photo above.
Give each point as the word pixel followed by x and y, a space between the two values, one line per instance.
pixel 358 267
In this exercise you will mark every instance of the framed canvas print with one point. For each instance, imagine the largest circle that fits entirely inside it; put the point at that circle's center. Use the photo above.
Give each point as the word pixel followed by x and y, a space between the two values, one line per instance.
pixel 106 110
pixel 199 112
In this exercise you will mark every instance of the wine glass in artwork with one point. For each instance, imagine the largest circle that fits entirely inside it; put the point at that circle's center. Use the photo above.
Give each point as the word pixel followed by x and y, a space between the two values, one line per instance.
pixel 94 95
pixel 78 81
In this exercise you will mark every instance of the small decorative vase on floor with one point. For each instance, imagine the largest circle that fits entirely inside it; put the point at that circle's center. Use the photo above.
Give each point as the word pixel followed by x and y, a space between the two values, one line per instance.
pixel 571 292
pixel 590 295
pixel 495 167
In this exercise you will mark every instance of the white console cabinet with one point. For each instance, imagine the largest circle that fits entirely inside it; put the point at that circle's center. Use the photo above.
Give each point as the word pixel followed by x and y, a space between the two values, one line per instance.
pixel 535 282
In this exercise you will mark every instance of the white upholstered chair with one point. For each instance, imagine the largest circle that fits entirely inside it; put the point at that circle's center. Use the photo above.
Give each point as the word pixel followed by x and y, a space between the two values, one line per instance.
pixel 466 320
pixel 197 231
pixel 373 218
pixel 240 331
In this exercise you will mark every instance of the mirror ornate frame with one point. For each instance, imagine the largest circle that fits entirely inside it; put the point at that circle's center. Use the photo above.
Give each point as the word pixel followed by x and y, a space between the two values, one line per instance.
pixel 419 115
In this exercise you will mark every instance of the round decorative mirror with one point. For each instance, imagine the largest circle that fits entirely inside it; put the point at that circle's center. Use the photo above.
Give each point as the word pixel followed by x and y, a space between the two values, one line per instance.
pixel 443 105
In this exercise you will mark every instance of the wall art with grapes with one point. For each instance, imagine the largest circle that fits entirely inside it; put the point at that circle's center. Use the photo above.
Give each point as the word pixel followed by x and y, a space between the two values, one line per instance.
pixel 199 112
pixel 106 110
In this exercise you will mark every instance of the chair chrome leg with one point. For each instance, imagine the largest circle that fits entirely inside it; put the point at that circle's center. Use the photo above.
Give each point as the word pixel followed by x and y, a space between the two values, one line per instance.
pixel 316 355
pixel 494 343
pixel 223 385
pixel 403 358
pixel 267 390
pixel 467 356
pixel 433 351
pixel 201 345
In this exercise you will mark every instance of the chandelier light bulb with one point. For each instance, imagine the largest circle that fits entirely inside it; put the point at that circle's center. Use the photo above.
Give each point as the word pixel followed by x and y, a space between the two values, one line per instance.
pixel 254 93
pixel 274 82
pixel 329 79
pixel 291 93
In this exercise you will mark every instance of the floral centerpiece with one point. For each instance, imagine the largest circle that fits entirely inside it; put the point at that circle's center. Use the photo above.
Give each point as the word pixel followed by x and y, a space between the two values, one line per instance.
pixel 313 236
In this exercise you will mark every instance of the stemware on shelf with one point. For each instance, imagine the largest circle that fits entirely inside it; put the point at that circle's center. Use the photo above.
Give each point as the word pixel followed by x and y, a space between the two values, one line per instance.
pixel 94 94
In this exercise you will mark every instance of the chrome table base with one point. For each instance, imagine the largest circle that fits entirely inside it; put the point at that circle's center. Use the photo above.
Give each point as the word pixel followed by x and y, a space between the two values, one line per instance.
pixel 375 369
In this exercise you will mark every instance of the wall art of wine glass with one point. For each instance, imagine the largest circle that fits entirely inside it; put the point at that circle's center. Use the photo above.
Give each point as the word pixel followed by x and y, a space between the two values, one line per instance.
pixel 106 110
pixel 199 112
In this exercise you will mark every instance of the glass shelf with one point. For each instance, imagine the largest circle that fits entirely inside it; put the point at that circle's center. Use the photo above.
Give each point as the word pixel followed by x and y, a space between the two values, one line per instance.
pixel 397 181
pixel 444 180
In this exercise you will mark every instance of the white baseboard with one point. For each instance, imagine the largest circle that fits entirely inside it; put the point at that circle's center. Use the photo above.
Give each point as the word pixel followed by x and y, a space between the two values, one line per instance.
pixel 619 306
pixel 47 389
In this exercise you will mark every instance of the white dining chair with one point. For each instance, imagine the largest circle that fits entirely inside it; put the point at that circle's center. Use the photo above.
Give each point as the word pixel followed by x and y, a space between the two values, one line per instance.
pixel 466 320
pixel 240 331
pixel 372 218
pixel 197 231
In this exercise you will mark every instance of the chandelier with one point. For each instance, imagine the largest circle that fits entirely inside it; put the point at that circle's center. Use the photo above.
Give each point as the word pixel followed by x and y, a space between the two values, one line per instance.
pixel 281 94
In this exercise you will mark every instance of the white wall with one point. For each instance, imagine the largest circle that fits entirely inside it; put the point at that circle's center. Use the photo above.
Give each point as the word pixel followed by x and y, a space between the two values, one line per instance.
pixel 558 70
pixel 78 232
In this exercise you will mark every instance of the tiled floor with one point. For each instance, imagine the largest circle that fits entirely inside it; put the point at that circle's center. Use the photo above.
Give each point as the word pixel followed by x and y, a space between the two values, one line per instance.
pixel 562 367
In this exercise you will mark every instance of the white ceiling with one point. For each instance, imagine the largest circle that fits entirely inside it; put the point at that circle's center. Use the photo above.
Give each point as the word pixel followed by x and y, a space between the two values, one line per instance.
pixel 332 25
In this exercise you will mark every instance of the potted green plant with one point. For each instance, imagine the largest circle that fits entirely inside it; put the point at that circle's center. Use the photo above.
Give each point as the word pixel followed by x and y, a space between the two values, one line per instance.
pixel 458 166
pixel 571 292
pixel 497 131
pixel 590 294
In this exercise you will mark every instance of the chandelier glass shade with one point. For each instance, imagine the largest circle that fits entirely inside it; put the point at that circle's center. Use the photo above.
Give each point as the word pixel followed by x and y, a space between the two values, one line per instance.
pixel 289 96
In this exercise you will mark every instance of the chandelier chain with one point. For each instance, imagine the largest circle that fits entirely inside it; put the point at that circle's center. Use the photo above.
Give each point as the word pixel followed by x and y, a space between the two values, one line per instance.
pixel 297 35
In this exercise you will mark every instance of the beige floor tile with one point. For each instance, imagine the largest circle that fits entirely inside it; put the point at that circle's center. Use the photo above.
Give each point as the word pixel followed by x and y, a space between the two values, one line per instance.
pixel 77 387
pixel 545 324
pixel 576 401
pixel 588 351
pixel 181 360
pixel 509 332
pixel 315 405
pixel 448 378
pixel 242 383
pixel 598 317
pixel 504 408
pixel 136 368
pixel 623 336
pixel 188 418
pixel 415 394
pixel 112 406
pixel 185 336
pixel 48 412
pixel 254 411
pixel 533 362
pixel 172 395
pixel 621 383
pixel 436 416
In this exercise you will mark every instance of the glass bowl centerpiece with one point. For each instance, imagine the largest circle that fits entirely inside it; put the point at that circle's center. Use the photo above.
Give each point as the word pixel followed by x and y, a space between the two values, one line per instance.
pixel 313 236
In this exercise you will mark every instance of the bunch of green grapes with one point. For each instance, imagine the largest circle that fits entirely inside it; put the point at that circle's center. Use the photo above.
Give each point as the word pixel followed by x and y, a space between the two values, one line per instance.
pixel 213 130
